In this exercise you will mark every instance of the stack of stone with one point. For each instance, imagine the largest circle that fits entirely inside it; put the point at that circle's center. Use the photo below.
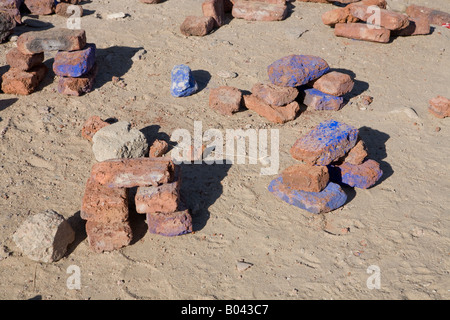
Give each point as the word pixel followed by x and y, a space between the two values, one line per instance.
pixel 106 201
pixel 331 154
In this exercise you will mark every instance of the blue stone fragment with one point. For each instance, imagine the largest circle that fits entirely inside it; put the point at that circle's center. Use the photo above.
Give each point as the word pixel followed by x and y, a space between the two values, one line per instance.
pixel 361 176
pixel 329 199
pixel 317 100
pixel 74 63
pixel 183 82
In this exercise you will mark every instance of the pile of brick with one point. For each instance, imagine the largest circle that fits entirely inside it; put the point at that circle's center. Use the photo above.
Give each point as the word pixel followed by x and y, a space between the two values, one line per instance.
pixel 48 7
pixel 332 154
pixel 369 20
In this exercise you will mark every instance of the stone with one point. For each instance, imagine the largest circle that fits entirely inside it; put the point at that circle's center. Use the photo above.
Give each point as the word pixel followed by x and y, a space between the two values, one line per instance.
pixel 51 40
pixel 417 26
pixel 387 19
pixel 150 1
pixel 338 15
pixel 197 26
pixel 357 154
pixel 108 237
pixel 44 236
pixel 296 70
pixel 274 95
pixel 170 224
pixel 78 86
pixel 116 15
pixel 379 3
pixel 272 113
pixel 162 199
pixel 7 24
pixel 91 126
pixel 10 8
pixel 306 178
pixel 259 10
pixel 334 83
pixel 183 82
pixel 317 100
pixel 242 266
pixel 71 1
pixel 433 16
pixel 67 10
pixel 439 107
pixel 103 204
pixel 225 100
pixel 325 143
pixel 329 199
pixel 16 59
pixel 361 31
pixel 40 7
pixel 214 9
pixel 74 63
pixel 361 176
pixel 158 148
pixel 20 82
pixel 129 173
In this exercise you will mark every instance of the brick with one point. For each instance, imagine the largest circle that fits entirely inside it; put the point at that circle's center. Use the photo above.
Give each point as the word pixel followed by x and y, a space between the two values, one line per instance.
pixel 296 70
pixel 214 9
pixel 338 15
pixel 361 176
pixel 16 59
pixel 329 199
pixel 317 100
pixel 7 24
pixel 137 172
pixel 388 19
pixel 379 3
pixel 272 113
pixel 170 225
pixel 51 40
pixel 183 82
pixel 161 199
pixel 417 26
pixel 74 63
pixel 20 82
pixel 197 26
pixel 158 148
pixel 78 86
pixel 108 237
pixel 11 8
pixel 440 107
pixel 40 7
pixel 306 178
pixel 71 1
pixel 104 204
pixel 334 83
pixel 275 95
pixel 433 16
pixel 225 100
pixel 325 143
pixel 357 154
pixel 67 10
pixel 361 31
pixel 91 126
pixel 259 10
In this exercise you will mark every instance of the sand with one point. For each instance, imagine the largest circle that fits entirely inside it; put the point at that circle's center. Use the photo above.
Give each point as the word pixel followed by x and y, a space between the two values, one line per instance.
pixel 400 226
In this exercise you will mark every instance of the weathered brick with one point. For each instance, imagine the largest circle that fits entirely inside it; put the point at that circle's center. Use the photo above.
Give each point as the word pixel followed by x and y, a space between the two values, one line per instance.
pixel 433 16
pixel 67 10
pixel 91 126
pixel 197 26
pixel 71 1
pixel 158 148
pixel 259 10
pixel 161 199
pixel 11 8
pixel 272 113
pixel 325 143
pixel 306 178
pixel 51 40
pixel 317 100
pixel 334 83
pixel 16 59
pixel 16 81
pixel 357 154
pixel 108 236
pixel 214 9
pixel 40 7
pixel 338 15
pixel 440 107
pixel 225 100
pixel 170 225
pixel 78 86
pixel 329 199
pixel 417 26
pixel 388 19
pixel 361 176
pixel 362 31
pixel 296 70
pixel 275 95
pixel 74 63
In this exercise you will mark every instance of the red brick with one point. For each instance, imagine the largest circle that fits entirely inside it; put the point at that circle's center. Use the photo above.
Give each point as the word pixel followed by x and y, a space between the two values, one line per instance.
pixel 306 178
pixel 361 31
pixel 40 7
pixel 133 172
pixel 417 26
pixel 275 95
pixel 108 237
pixel 16 81
pixel 11 8
pixel 272 113
pixel 158 148
pixel 225 100
pixel 338 15
pixel 433 16
pixel 62 9
pixel 161 199
pixel 78 86
pixel 197 26
pixel 51 40
pixel 259 10
pixel 388 19
pixel 104 204
pixel 357 154
pixel 334 83
pixel 379 3
pixel 170 225
pixel 214 9
pixel 440 107
pixel 16 59
pixel 91 126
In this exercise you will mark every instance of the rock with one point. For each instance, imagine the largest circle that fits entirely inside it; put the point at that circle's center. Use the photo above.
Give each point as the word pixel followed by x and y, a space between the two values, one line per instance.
pixel 214 9
pixel 306 178
pixel 242 266
pixel 74 63
pixel 7 24
pixel 334 83
pixel 67 10
pixel 362 31
pixel 388 19
pixel 108 237
pixel 170 224
pixel 197 26
pixel 433 16
pixel 225 100
pixel 227 74
pixel 272 113
pixel 317 100
pixel 78 86
pixel 274 95
pixel 140 55
pixel 296 70
pixel 338 15
pixel 183 82
pixel 10 8
pixel 117 141
pixel 357 154
pixel 91 126
pixel 117 15
pixel 16 59
pixel 44 236
pixel 361 176
pixel 20 82
pixel 417 26
pixel 439 107
pixel 259 10
pixel 158 148
pixel 40 7
pixel 162 199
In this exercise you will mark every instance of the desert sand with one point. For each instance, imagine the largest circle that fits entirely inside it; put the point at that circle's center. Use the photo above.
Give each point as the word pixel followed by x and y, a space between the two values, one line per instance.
pixel 401 225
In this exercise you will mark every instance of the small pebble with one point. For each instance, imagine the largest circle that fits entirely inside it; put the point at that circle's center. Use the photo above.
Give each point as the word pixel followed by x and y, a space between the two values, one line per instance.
pixel 242 266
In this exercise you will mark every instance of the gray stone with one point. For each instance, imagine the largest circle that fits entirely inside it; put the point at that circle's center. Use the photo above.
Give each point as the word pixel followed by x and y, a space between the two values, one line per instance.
pixel 44 236
pixel 118 141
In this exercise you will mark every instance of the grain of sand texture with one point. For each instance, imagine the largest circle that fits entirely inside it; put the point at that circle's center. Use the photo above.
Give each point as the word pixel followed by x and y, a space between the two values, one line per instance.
pixel 400 225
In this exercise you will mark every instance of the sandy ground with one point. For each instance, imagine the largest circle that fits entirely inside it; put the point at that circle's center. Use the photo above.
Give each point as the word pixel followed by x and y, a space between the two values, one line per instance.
pixel 401 225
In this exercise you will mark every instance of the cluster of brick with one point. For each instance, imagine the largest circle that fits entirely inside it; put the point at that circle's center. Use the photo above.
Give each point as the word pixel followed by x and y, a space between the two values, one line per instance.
pixel 357 20
pixel 332 154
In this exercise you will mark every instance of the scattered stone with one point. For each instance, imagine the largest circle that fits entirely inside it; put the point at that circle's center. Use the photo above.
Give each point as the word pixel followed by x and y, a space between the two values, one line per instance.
pixel 274 95
pixel 74 63
pixel 225 100
pixel 20 82
pixel 16 59
pixel 439 107
pixel 361 176
pixel 317 100
pixel 259 10
pixel 161 199
pixel 108 237
pixel 91 126
pixel 158 148
pixel 197 26
pixel 272 113
pixel 44 236
pixel 117 141
pixel 183 82
pixel 306 178
pixel 334 83
pixel 362 31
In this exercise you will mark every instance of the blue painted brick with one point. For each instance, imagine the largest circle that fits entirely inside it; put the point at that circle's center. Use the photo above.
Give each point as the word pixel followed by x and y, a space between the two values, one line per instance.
pixel 183 82
pixel 74 63
pixel 317 100
pixel 361 176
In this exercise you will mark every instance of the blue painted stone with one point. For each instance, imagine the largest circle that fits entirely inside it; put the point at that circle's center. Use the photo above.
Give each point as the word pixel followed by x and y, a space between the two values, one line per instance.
pixel 317 100
pixel 297 70
pixel 329 199
pixel 74 63
pixel 361 176
pixel 327 142
pixel 183 82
